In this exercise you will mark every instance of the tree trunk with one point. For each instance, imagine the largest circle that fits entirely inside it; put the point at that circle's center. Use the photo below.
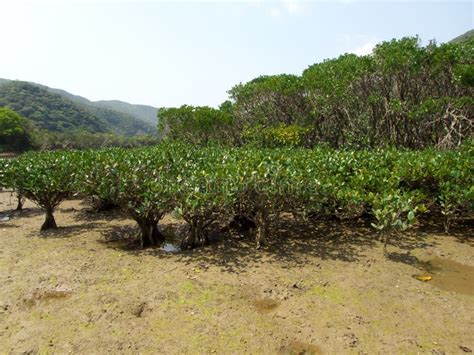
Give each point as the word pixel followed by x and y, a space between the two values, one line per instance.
pixel 156 235
pixel 49 222
pixel 242 223
pixel 197 236
pixel 446 224
pixel 150 234
pixel 262 228
pixel 386 237
pixel 19 206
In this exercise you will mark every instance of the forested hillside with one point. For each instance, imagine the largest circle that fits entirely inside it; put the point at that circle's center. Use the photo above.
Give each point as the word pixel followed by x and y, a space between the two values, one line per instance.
pixel 143 113
pixel 146 113
pixel 57 113
pixel 48 111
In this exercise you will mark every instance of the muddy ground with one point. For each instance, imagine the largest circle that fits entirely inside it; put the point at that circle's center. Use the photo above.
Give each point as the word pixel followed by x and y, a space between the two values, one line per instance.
pixel 84 289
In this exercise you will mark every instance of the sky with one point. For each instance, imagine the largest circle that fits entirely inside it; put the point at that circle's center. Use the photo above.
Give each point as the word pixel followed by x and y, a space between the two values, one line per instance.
pixel 165 54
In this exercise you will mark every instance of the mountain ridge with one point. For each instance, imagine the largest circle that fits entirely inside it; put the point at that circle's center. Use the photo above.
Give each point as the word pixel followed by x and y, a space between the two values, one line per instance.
pixel 145 113
pixel 57 110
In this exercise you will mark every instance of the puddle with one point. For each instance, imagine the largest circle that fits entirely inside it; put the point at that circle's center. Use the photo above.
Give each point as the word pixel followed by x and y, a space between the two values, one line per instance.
pixel 450 275
pixel 126 239
pixel 170 248
pixel 172 241
pixel 266 305
pixel 299 348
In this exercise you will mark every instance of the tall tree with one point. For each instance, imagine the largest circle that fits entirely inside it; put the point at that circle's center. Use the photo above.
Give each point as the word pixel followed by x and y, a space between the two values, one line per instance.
pixel 15 131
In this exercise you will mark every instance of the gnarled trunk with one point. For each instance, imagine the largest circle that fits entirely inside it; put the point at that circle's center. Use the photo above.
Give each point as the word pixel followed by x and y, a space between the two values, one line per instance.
pixel 49 222
pixel 21 200
pixel 150 234
pixel 197 236
pixel 242 223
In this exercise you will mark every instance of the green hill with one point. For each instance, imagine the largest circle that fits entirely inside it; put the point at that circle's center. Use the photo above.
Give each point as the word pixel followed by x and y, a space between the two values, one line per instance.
pixel 59 111
pixel 464 37
pixel 143 112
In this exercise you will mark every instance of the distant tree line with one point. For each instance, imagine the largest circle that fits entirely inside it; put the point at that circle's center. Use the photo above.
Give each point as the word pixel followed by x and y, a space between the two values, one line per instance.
pixel 402 95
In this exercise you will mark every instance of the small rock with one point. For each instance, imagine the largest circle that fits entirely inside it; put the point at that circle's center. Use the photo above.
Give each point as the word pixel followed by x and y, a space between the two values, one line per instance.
pixel 465 349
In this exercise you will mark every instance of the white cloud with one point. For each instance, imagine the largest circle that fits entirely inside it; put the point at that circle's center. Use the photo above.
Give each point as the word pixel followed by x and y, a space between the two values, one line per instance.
pixel 364 49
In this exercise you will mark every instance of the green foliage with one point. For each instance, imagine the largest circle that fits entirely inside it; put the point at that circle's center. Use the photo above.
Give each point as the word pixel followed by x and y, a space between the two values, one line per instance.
pixel 464 73
pixel 48 111
pixel 4 165
pixel 280 136
pixel 403 95
pixel 464 63
pixel 268 101
pixel 86 140
pixel 210 184
pixel 204 190
pixel 15 131
pixel 197 125
pixel 394 211
pixel 44 178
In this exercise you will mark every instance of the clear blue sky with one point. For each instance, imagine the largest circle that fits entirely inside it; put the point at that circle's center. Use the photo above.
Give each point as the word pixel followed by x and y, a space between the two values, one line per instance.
pixel 171 53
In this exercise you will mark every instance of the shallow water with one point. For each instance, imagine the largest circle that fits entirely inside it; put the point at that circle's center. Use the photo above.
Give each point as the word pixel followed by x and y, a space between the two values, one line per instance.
pixel 450 275
pixel 170 248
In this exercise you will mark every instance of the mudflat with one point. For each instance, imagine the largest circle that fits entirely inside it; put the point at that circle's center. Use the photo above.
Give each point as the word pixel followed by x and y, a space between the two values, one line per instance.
pixel 318 287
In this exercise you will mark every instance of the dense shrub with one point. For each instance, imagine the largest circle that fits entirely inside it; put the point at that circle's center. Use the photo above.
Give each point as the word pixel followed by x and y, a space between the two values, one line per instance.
pixel 210 184
pixel 402 95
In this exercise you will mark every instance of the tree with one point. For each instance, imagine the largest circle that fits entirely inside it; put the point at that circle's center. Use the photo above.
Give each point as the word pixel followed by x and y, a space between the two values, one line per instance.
pixel 197 125
pixel 205 190
pixel 15 131
pixel 334 89
pixel 269 101
pixel 44 178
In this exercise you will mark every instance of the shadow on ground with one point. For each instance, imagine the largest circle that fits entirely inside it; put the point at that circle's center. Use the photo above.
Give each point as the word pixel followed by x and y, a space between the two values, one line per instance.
pixel 26 213
pixel 124 238
pixel 293 243
pixel 65 231
pixel 91 214
pixel 407 258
